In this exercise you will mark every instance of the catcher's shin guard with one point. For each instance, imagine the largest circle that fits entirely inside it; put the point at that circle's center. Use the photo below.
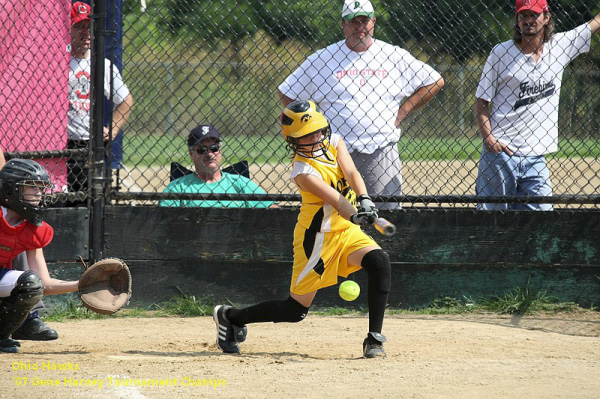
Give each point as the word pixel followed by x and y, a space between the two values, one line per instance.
pixel 15 308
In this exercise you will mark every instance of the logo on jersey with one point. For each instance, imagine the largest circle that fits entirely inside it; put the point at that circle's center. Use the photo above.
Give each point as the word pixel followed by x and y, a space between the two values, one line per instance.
pixel 5 248
pixel 530 94
pixel 82 85
pixel 79 93
pixel 342 187
pixel 362 75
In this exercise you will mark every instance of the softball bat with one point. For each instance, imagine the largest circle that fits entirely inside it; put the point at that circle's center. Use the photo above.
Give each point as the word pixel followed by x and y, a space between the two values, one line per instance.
pixel 385 227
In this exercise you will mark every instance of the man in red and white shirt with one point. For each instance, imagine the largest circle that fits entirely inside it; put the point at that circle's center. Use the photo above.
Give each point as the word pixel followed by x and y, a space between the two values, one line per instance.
pixel 79 118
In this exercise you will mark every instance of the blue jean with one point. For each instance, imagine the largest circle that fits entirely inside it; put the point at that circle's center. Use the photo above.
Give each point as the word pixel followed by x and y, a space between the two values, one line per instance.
pixel 504 175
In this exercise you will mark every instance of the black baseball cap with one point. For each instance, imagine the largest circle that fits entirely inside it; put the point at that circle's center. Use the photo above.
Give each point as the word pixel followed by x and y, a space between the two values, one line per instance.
pixel 202 132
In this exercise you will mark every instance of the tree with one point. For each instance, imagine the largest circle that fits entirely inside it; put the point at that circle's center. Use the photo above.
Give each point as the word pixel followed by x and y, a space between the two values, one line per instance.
pixel 233 20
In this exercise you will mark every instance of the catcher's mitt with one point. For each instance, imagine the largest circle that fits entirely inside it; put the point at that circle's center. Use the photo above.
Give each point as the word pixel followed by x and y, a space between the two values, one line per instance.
pixel 105 287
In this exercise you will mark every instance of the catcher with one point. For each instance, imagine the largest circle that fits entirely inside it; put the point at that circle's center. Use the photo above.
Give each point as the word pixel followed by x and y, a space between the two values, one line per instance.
pixel 24 186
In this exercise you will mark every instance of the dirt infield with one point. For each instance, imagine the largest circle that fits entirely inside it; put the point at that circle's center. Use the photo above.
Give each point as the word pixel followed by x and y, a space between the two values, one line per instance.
pixel 428 357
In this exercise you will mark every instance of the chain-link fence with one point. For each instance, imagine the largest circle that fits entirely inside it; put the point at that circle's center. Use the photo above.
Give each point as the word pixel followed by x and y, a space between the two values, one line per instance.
pixel 190 62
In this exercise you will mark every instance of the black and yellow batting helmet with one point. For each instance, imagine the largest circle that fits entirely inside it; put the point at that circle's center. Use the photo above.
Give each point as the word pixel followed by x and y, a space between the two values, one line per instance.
pixel 300 119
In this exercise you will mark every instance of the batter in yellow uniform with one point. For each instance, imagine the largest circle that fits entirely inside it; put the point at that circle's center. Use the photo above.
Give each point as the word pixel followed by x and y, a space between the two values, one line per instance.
pixel 323 239
pixel 328 241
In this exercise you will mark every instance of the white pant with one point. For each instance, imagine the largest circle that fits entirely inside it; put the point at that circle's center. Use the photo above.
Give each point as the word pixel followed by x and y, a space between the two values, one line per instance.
pixel 8 282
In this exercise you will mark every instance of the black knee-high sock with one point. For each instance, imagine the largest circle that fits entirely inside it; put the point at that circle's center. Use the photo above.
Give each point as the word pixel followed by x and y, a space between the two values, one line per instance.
pixel 289 311
pixel 377 265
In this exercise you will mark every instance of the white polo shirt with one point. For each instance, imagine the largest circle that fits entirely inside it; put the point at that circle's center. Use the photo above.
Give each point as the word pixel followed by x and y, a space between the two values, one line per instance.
pixel 360 92
pixel 525 94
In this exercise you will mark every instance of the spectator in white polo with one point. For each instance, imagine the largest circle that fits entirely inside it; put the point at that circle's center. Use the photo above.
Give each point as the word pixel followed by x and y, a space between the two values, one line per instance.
pixel 365 88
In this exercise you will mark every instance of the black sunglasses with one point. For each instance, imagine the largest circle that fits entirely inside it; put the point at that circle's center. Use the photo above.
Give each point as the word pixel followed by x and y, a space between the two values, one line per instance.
pixel 212 148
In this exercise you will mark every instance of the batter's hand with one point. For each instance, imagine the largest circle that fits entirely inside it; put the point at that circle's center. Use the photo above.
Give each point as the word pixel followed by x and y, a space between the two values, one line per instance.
pixel 365 204
pixel 364 218
pixel 492 145
pixel 367 213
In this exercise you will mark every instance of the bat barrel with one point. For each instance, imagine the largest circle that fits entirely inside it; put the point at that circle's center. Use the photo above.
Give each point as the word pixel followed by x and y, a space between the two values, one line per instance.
pixel 385 227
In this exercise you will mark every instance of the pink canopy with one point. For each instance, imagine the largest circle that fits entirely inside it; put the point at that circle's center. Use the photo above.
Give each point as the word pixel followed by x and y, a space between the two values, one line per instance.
pixel 34 78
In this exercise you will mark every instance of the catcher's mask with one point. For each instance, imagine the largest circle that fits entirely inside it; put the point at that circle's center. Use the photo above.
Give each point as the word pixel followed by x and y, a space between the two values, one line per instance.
pixel 300 119
pixel 24 188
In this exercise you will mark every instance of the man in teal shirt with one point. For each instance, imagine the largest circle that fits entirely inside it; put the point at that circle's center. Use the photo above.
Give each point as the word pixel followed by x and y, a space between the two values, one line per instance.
pixel 204 143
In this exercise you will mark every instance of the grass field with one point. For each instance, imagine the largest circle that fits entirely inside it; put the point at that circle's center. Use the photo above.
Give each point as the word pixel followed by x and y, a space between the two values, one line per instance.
pixel 519 301
pixel 146 150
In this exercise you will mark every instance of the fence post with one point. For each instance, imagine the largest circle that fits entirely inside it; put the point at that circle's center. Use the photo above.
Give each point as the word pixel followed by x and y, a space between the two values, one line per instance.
pixel 96 164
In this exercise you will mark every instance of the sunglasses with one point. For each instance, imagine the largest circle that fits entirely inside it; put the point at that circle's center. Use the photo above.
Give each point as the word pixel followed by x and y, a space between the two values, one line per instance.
pixel 214 148
pixel 358 22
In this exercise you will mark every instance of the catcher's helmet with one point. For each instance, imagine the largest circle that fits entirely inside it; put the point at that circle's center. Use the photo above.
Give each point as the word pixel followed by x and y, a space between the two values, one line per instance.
pixel 299 119
pixel 14 177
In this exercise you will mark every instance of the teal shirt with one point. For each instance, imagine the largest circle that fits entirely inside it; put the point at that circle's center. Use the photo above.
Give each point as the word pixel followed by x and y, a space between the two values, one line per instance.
pixel 229 184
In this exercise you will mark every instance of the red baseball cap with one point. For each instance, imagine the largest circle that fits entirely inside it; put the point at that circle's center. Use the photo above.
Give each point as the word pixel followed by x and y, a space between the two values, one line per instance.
pixel 537 6
pixel 80 12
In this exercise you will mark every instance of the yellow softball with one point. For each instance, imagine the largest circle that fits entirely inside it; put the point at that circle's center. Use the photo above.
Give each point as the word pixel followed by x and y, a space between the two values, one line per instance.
pixel 349 290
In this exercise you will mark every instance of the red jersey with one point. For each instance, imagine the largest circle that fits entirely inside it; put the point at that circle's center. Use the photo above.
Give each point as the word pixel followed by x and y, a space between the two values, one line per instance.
pixel 20 238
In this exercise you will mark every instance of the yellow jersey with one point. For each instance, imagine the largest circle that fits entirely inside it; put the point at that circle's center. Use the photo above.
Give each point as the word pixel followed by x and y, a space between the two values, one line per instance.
pixel 315 214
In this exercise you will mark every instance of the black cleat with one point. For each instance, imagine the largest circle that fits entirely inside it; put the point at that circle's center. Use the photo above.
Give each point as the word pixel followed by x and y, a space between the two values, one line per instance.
pixel 228 334
pixel 373 345
pixel 8 345
pixel 34 329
